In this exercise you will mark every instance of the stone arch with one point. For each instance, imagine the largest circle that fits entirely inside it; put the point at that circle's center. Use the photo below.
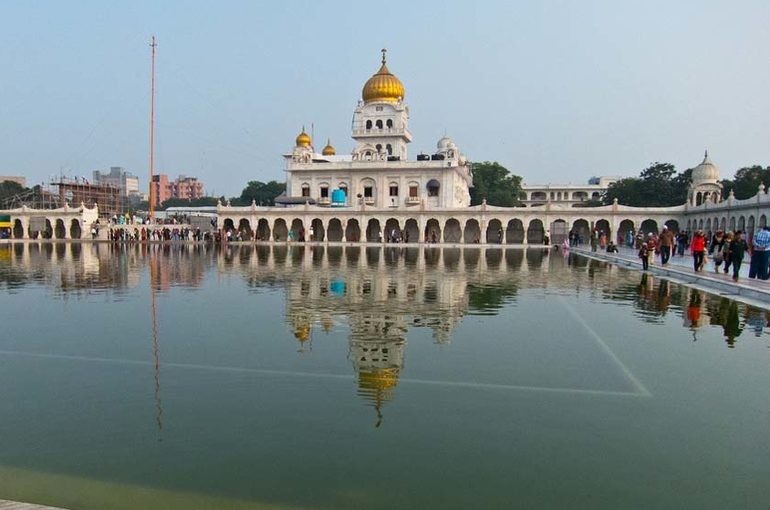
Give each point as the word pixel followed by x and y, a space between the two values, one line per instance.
pixel 280 230
pixel 297 230
pixel 626 232
pixel 411 231
pixel 18 229
pixel 762 221
pixel 228 224
pixel 604 227
pixel 535 232
pixel 672 225
pixel 707 226
pixel 495 232
pixel 263 230
pixel 649 226
pixel 334 230
pixel 373 231
pixel 76 232
pixel 698 198
pixel 353 231
pixel 723 224
pixel 60 231
pixel 392 230
pixel 581 228
pixel 750 227
pixel 514 232
pixel 319 233
pixel 471 232
pixel 432 231
pixel 732 224
pixel 559 231
pixel 742 223
pixel 700 224
pixel 452 231
pixel 244 227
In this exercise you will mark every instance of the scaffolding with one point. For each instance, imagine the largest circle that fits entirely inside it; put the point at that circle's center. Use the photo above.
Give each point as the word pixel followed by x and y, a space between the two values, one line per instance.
pixel 72 191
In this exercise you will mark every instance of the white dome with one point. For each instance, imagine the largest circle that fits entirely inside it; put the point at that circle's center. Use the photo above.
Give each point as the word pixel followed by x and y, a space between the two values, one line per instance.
pixel 445 143
pixel 705 172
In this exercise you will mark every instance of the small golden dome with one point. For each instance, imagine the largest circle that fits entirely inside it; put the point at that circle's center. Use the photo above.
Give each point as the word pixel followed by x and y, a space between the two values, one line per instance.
pixel 378 379
pixel 328 150
pixel 383 86
pixel 302 332
pixel 303 139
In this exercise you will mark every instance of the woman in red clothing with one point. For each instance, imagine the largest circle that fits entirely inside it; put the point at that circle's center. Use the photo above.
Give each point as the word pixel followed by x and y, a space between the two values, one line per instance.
pixel 698 248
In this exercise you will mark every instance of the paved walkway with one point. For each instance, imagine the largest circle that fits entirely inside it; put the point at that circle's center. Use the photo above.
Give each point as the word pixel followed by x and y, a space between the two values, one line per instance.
pixel 15 505
pixel 680 269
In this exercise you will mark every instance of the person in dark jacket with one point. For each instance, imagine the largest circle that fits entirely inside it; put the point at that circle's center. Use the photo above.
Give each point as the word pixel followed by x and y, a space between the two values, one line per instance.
pixel 738 249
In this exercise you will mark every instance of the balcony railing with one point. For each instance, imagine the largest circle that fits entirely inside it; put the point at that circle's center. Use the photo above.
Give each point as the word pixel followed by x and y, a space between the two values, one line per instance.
pixel 369 200
pixel 412 200
pixel 324 201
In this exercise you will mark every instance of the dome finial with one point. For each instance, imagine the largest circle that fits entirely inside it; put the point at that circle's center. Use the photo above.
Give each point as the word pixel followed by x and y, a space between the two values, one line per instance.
pixel 706 155
pixel 384 51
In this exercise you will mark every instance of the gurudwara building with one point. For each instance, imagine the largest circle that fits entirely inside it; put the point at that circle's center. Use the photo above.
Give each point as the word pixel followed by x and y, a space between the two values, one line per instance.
pixel 379 190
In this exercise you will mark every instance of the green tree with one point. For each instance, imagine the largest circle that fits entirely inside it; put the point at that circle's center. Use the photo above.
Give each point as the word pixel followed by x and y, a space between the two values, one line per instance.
pixel 263 193
pixel 657 186
pixel 493 182
pixel 747 181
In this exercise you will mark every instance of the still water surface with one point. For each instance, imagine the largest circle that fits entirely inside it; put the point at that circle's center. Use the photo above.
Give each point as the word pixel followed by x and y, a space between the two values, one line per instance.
pixel 310 378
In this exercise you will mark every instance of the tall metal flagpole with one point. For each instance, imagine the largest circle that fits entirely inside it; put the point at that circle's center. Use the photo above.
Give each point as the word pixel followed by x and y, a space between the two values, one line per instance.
pixel 152 131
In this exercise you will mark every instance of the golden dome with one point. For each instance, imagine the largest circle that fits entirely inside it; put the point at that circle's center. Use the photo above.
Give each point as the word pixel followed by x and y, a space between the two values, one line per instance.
pixel 328 150
pixel 303 139
pixel 383 86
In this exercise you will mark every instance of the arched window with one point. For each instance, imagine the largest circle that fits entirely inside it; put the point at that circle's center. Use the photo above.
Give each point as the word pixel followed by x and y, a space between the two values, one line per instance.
pixel 305 189
pixel 433 187
pixel 389 148
pixel 368 124
pixel 379 124
pixel 389 123
pixel 379 147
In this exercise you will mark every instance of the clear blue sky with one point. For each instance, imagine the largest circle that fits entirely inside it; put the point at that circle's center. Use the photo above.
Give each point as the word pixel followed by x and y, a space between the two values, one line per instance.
pixel 557 91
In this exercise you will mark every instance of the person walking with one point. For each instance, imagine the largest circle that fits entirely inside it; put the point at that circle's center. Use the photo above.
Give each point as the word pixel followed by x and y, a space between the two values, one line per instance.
pixel 666 243
pixel 726 251
pixel 644 254
pixel 717 249
pixel 594 239
pixel 738 249
pixel 760 254
pixel 698 249
pixel 652 246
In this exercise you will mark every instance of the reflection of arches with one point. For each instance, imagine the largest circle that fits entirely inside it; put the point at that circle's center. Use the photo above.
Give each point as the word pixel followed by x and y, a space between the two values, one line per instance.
pixel 495 232
pixel 280 231
pixel 432 231
pixel 353 231
pixel 452 231
pixel 580 227
pixel 244 227
pixel 373 234
pixel 411 231
pixel 649 225
pixel 263 230
pixel 318 230
pixel 334 230
pixel 625 227
pixel 297 230
pixel 471 232
pixel 60 231
pixel 514 232
pixel 75 231
pixel 535 232
pixel 18 229
pixel 392 229
pixel 673 225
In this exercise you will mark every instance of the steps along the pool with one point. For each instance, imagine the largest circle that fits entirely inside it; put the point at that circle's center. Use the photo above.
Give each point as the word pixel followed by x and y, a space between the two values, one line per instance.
pixel 15 505
pixel 745 289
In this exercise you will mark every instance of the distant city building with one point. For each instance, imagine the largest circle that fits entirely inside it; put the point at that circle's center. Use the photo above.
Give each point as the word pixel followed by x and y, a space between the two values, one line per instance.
pixel 184 187
pixel 572 195
pixel 22 181
pixel 126 182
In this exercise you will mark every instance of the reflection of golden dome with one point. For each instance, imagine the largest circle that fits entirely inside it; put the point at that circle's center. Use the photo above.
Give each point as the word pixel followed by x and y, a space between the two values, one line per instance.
pixel 302 332
pixel 303 139
pixel 328 150
pixel 378 379
pixel 383 86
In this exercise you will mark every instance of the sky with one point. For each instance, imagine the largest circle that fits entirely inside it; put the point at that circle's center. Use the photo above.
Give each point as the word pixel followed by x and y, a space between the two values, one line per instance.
pixel 556 91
